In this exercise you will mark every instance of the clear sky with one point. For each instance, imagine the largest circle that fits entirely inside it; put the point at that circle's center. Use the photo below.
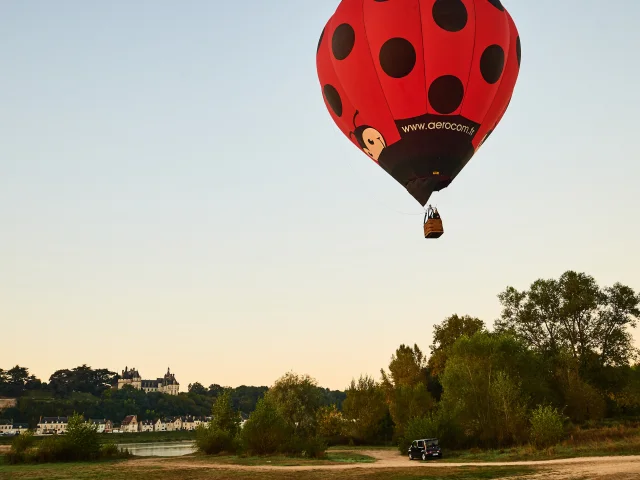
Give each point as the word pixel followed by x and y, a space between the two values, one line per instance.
pixel 174 193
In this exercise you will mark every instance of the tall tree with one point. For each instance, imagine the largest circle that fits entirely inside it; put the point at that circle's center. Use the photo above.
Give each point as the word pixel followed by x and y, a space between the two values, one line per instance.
pixel 82 379
pixel 488 382
pixel 407 367
pixel 16 381
pixel 446 334
pixel 574 314
pixel 197 388
pixel 405 386
pixel 365 408
pixel 224 416
pixel 299 399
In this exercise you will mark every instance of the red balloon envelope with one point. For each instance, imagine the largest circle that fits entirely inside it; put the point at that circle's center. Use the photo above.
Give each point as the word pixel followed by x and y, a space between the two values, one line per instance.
pixel 418 85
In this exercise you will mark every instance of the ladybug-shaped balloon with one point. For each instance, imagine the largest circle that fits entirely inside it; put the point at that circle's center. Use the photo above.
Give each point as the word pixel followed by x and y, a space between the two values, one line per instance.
pixel 418 85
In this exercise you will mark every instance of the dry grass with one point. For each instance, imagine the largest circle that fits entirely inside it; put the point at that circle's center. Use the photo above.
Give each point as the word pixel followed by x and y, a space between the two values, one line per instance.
pixel 592 442
pixel 111 471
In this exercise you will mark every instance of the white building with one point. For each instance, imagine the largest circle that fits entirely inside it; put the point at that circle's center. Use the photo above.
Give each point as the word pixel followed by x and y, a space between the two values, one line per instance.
pixel 102 425
pixel 160 425
pixel 8 427
pixel 129 424
pixel 167 384
pixel 146 426
pixel 52 425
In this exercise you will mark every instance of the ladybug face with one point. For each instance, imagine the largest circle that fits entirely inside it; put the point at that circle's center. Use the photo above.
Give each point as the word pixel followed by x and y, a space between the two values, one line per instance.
pixel 370 140
pixel 430 78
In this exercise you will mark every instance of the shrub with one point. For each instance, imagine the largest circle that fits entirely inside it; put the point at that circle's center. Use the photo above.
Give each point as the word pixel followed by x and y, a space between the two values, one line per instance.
pixel 332 425
pixel 82 438
pixel 23 442
pixel 438 424
pixel 546 426
pixel 111 451
pixel 306 446
pixel 80 443
pixel 212 440
pixel 266 430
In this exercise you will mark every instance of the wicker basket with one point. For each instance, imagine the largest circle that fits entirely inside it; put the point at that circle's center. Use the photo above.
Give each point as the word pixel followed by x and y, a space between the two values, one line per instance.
pixel 433 228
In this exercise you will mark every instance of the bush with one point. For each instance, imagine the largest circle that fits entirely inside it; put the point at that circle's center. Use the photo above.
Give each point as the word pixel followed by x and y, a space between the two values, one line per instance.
pixel 80 443
pixel 306 446
pixel 546 426
pixel 266 430
pixel 212 440
pixel 439 424
pixel 111 451
pixel 22 442
pixel 82 438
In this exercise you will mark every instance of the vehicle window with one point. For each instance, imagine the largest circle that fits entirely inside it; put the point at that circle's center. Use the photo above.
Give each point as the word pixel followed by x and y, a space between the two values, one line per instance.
pixel 413 444
pixel 420 443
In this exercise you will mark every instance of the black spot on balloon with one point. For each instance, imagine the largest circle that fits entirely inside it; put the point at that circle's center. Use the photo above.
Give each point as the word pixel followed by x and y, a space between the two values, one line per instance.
pixel 397 57
pixel 333 99
pixel 497 4
pixel 450 15
pixel 446 94
pixel 344 38
pixel 492 63
pixel 320 40
pixel 518 50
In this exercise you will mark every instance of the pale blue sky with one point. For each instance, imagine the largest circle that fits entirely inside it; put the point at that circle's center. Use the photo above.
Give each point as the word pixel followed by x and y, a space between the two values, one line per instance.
pixel 174 192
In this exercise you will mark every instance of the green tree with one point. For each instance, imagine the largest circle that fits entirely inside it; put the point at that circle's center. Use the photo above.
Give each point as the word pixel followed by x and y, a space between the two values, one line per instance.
pixel 489 381
pixel 365 409
pixel 82 438
pixel 82 379
pixel 197 388
pixel 224 416
pixel 16 381
pixel 331 424
pixel 298 399
pixel 405 387
pixel 546 426
pixel 407 367
pixel 446 334
pixel 574 314
pixel 266 431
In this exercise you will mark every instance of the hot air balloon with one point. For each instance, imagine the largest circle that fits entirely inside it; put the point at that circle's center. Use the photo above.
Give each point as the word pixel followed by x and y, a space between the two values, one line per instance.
pixel 419 85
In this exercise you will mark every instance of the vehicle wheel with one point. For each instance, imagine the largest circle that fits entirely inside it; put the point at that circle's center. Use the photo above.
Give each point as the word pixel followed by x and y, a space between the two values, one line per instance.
pixel 410 456
pixel 424 456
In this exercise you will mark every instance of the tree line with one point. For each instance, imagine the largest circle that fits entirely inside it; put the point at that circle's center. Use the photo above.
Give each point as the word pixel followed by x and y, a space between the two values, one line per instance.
pixel 89 392
pixel 561 353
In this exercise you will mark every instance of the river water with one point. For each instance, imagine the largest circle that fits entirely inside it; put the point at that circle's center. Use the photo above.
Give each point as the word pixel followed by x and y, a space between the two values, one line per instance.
pixel 160 449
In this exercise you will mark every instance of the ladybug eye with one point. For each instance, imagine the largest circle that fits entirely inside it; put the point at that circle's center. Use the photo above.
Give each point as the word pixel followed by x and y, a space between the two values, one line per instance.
pixel 370 142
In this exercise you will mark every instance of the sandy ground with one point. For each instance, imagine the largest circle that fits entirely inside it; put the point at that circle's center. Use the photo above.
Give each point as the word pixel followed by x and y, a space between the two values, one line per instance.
pixel 4 448
pixel 591 468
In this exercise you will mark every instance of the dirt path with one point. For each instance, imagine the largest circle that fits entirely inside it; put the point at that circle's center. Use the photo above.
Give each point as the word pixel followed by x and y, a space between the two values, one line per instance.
pixel 618 468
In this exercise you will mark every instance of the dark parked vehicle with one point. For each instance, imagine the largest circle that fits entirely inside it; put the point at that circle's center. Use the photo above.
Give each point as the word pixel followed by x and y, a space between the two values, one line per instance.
pixel 425 448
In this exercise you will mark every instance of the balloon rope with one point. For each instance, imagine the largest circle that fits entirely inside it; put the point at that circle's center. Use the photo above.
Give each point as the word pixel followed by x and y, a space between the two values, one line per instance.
pixel 403 213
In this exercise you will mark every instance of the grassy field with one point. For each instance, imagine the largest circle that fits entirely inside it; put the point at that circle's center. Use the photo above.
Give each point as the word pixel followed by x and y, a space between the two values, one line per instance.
pixel 129 471
pixel 334 457
pixel 596 442
pixel 603 441
pixel 592 442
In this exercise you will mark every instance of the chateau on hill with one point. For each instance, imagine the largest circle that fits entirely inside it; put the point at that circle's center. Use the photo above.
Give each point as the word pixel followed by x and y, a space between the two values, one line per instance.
pixel 167 384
